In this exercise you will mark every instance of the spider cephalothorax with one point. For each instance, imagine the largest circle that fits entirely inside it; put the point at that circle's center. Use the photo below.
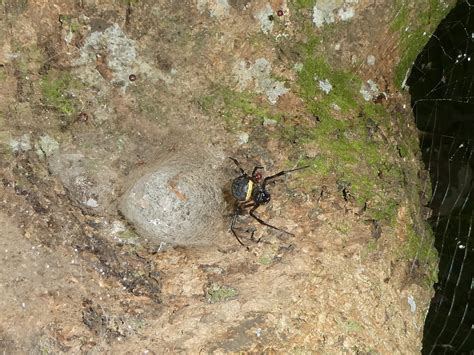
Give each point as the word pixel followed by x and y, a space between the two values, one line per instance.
pixel 250 192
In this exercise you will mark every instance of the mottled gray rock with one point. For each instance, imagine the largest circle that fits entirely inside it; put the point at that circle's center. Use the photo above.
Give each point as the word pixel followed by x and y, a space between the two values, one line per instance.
pixel 179 203
pixel 21 144
pixel 88 181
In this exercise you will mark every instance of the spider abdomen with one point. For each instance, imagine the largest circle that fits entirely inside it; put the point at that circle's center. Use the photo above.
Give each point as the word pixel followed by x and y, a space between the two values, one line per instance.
pixel 242 188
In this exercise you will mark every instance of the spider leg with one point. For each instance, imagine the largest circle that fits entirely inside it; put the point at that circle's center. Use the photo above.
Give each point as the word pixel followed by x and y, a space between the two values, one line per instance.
pixel 237 212
pixel 255 169
pixel 284 172
pixel 246 205
pixel 242 171
pixel 243 207
pixel 255 240
pixel 261 221
pixel 233 230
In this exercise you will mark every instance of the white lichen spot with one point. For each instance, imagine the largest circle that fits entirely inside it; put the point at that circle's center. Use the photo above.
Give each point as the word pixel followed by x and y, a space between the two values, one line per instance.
pixel 335 107
pixel 68 37
pixel 412 303
pixel 321 17
pixel 47 146
pixel 21 144
pixel 259 75
pixel 119 50
pixel 330 11
pixel 325 86
pixel 162 246
pixel 243 138
pixel 117 227
pixel 264 17
pixel 345 14
pixel 216 8
pixel 405 79
pixel 91 203
pixel 274 89
pixel 369 90
pixel 118 58
pixel 370 60
pixel 298 67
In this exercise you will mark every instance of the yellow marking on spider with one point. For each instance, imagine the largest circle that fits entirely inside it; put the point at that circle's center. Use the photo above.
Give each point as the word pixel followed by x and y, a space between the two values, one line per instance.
pixel 249 191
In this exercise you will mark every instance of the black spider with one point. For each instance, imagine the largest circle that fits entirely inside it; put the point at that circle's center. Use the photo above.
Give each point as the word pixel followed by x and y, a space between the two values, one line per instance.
pixel 250 192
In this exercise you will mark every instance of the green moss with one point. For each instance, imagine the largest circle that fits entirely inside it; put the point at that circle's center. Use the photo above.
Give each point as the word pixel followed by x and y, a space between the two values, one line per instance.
pixel 3 75
pixel 372 246
pixel 385 210
pixel 5 149
pixel 414 22
pixel 419 248
pixel 70 22
pixel 349 326
pixel 245 103
pixel 303 4
pixel 403 150
pixel 28 62
pixel 401 20
pixel 57 89
pixel 347 134
pixel 320 165
pixel 343 227
pixel 14 7
pixel 300 350
pixel 412 48
pixel 65 19
pixel 206 102
pixel 344 84
pixel 219 293
pixel 234 106
pixel 265 260
pixel 129 236
pixel 5 137
pixel 129 2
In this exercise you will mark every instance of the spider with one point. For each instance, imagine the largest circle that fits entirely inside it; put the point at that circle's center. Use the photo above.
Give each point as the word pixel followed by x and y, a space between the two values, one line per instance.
pixel 250 192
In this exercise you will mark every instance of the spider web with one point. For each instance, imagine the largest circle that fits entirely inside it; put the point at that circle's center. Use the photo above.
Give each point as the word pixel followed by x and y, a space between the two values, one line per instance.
pixel 442 89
